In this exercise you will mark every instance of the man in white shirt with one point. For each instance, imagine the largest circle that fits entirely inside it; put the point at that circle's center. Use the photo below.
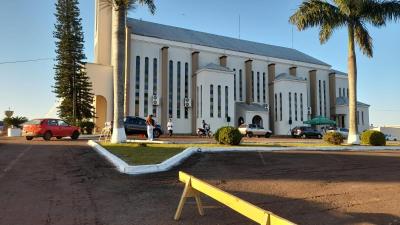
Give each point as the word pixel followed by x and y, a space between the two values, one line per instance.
pixel 170 127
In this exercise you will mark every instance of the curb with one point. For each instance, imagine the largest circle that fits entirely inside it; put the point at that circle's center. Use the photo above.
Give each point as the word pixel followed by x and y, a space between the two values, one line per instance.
pixel 177 159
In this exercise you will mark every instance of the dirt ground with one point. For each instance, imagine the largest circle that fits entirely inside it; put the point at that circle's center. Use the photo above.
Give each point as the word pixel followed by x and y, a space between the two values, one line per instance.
pixel 66 182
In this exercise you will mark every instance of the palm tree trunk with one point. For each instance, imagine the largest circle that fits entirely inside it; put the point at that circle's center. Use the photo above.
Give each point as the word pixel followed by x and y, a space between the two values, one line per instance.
pixel 117 61
pixel 352 76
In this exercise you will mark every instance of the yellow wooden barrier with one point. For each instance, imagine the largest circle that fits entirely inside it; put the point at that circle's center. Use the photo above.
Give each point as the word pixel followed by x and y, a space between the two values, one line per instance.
pixel 194 186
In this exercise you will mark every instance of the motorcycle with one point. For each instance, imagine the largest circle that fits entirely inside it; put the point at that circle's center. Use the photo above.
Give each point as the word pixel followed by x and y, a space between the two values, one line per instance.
pixel 201 132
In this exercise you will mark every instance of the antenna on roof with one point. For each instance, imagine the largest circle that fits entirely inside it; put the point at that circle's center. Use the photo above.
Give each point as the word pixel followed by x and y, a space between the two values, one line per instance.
pixel 239 26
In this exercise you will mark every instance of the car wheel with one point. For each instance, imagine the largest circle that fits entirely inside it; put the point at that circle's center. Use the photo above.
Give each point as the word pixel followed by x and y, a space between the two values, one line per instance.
pixel 249 134
pixel 304 136
pixel 29 138
pixel 58 138
pixel 395 139
pixel 319 136
pixel 47 136
pixel 156 133
pixel 75 135
pixel 267 135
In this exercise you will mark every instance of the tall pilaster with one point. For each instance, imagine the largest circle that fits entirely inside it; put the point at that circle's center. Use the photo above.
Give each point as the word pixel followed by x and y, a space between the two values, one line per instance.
pixel 313 92
pixel 271 96
pixel 249 83
pixel 102 33
pixel 332 94
pixel 195 67
pixel 164 88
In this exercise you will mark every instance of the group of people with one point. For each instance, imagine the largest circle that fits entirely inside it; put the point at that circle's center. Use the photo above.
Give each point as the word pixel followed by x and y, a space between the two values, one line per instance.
pixel 150 123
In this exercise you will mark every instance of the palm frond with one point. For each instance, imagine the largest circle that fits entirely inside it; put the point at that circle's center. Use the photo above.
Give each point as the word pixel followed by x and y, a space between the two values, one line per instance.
pixel 129 4
pixel 363 39
pixel 314 13
pixel 378 12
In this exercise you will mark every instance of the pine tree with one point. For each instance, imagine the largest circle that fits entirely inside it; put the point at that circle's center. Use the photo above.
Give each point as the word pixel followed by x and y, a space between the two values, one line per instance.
pixel 72 85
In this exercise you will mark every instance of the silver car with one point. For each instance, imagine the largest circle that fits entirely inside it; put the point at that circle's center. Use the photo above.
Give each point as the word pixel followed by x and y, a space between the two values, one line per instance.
pixel 251 130
pixel 343 131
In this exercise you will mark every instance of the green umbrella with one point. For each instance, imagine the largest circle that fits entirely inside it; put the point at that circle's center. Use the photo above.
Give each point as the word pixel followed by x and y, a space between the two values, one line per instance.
pixel 320 120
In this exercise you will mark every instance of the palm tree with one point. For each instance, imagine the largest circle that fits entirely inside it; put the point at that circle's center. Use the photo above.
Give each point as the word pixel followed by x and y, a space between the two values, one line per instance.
pixel 120 9
pixel 353 14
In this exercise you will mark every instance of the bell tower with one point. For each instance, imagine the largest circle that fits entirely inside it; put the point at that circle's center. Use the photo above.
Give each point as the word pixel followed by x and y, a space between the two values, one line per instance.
pixel 102 33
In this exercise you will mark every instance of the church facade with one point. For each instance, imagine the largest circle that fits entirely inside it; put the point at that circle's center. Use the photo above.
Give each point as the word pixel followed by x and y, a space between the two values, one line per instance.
pixel 192 76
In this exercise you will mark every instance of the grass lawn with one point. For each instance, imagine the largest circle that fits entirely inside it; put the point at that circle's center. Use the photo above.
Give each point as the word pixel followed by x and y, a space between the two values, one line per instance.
pixel 135 154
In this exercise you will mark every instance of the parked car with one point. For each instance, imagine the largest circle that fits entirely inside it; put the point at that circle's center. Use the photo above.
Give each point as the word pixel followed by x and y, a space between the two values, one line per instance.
pixel 306 132
pixel 343 131
pixel 389 137
pixel 251 130
pixel 1 127
pixel 48 128
pixel 137 125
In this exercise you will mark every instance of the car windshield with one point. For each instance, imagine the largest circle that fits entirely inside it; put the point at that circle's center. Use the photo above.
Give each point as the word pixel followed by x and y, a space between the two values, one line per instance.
pixel 62 123
pixel 33 122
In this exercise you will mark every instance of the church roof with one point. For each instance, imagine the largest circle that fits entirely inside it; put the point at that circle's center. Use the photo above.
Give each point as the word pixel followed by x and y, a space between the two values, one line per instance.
pixel 171 33
pixel 338 72
pixel 285 76
pixel 345 102
pixel 213 66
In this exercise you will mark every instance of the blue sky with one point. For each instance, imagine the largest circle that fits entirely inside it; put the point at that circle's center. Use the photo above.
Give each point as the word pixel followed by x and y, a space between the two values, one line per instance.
pixel 26 33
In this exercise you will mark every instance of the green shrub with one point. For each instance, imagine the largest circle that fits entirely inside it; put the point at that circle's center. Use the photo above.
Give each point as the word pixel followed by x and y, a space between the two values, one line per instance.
pixel 15 121
pixel 373 137
pixel 216 134
pixel 335 138
pixel 86 126
pixel 229 136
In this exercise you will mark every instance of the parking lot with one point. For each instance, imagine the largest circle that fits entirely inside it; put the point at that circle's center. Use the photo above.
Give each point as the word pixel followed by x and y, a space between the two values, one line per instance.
pixel 66 182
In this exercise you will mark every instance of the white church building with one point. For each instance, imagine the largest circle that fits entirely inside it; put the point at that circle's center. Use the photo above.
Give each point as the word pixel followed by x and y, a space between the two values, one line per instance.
pixel 192 76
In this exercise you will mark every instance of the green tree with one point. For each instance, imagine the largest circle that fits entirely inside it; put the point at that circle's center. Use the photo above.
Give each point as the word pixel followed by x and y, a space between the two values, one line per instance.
pixel 355 15
pixel 120 9
pixel 72 85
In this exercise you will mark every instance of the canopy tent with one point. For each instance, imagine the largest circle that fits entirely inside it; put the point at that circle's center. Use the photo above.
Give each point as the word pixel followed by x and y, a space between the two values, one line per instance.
pixel 320 120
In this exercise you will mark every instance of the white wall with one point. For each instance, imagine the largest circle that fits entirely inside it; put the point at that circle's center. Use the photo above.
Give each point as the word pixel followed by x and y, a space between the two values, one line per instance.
pixel 102 84
pixel 285 87
pixel 206 78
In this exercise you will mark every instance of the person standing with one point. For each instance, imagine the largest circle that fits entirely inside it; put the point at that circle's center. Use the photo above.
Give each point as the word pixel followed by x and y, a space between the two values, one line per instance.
pixel 170 127
pixel 150 127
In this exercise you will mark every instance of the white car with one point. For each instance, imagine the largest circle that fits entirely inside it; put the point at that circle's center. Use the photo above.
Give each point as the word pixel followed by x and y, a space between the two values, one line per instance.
pixel 251 130
pixel 389 137
pixel 343 131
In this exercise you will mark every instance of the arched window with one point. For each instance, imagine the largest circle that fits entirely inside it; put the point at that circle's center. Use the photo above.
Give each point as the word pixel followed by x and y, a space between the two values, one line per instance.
pixel 234 84
pixel 276 108
pixel 178 90
pixel 137 86
pixel 258 86
pixel 295 106
pixel 226 102
pixel 219 101
pixel 240 85
pixel 280 106
pixel 290 106
pixel 146 86
pixel 186 88
pixel 211 101
pixel 264 87
pixel 301 107
pixel 155 79
pixel 170 87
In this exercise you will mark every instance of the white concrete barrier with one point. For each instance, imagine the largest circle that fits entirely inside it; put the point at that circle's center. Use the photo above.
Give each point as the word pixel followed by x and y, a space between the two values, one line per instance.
pixel 177 159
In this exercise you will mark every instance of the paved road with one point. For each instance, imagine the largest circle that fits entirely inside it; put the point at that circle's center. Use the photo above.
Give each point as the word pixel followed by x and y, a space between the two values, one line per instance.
pixel 65 182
